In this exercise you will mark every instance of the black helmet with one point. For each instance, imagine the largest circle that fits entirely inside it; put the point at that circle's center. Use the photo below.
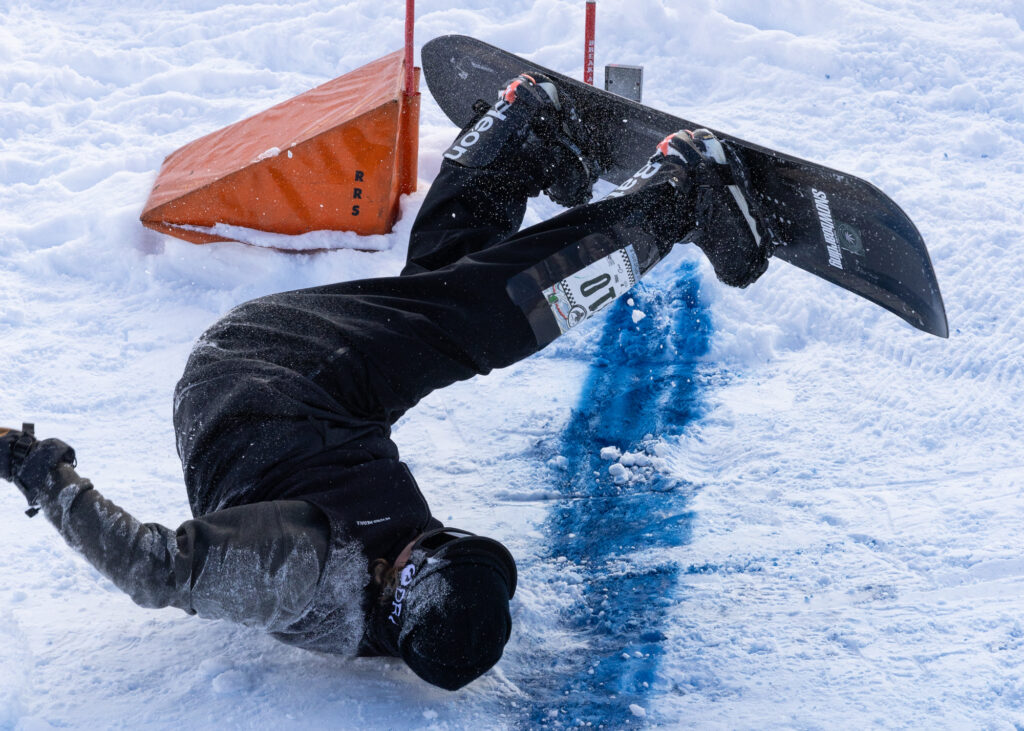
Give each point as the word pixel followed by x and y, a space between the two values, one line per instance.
pixel 449 617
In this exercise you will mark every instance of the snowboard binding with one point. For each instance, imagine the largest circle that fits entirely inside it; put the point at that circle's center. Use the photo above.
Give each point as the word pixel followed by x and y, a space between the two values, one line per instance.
pixel 713 205
pixel 534 129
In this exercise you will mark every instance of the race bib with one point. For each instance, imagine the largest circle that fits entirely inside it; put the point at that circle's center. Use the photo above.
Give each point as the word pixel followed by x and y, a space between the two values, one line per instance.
pixel 588 291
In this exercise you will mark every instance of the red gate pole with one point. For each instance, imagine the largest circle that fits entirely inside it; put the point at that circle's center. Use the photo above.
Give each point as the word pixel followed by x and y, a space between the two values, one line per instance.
pixel 410 21
pixel 588 52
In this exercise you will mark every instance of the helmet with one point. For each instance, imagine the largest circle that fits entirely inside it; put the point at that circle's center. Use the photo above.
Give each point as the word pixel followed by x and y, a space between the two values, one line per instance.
pixel 449 617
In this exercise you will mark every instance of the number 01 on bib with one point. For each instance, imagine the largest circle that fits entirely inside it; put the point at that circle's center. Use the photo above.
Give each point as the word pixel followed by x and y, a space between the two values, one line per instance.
pixel 591 289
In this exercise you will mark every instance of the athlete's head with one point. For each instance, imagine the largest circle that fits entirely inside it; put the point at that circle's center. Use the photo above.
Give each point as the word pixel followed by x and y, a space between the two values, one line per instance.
pixel 445 609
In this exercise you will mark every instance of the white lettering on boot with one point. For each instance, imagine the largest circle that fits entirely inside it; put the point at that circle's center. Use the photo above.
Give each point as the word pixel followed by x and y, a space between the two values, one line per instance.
pixel 645 173
pixel 461 147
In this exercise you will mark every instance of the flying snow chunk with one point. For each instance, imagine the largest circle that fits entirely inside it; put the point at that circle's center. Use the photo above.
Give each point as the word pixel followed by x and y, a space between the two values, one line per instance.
pixel 610 453
pixel 637 711
pixel 620 475
pixel 559 462
pixel 635 459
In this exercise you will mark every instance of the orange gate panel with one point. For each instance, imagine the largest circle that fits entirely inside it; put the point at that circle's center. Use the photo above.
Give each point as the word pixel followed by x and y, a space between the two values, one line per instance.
pixel 334 158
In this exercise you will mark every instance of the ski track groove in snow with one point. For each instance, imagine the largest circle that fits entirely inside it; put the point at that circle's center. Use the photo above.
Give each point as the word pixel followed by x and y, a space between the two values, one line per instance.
pixel 611 530
pixel 854 489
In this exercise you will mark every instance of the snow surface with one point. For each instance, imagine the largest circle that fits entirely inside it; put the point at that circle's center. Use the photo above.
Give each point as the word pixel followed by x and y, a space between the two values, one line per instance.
pixel 772 508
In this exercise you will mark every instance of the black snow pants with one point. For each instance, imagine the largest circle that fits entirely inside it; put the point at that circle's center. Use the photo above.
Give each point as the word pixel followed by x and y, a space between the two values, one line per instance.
pixel 333 367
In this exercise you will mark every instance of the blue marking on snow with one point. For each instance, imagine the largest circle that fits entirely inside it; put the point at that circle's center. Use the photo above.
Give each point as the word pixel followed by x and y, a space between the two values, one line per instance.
pixel 643 389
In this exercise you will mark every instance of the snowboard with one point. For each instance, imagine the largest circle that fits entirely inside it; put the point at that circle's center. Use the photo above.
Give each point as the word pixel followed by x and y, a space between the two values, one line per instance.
pixel 831 224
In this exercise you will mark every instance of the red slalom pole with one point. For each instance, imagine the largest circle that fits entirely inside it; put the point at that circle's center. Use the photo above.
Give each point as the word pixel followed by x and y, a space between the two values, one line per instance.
pixel 410 21
pixel 588 51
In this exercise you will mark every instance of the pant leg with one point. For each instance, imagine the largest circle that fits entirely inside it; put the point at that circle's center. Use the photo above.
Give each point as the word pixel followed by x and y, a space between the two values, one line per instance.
pixel 487 309
pixel 466 210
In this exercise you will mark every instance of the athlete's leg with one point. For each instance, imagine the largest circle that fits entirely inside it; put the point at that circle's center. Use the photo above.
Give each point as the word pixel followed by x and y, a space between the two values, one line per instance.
pixel 393 340
pixel 529 140
pixel 494 307
pixel 406 336
pixel 466 210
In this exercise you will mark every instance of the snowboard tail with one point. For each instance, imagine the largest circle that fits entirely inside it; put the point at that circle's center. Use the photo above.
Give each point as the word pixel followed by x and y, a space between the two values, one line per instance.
pixel 829 223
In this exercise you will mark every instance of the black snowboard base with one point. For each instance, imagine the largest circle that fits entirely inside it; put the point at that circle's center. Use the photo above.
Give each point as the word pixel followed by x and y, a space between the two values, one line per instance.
pixel 836 226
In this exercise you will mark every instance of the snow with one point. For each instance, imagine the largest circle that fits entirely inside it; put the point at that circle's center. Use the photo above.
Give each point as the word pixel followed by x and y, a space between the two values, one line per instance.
pixel 826 533
pixel 267 154
pixel 311 242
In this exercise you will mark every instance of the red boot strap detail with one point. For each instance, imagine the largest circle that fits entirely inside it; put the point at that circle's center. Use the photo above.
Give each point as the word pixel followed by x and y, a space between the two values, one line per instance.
pixel 510 90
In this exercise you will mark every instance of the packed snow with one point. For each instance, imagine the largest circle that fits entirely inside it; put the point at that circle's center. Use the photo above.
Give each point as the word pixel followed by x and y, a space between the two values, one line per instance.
pixel 813 523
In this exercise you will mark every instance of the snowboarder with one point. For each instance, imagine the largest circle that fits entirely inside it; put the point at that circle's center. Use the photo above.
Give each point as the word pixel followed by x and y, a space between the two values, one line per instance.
pixel 306 523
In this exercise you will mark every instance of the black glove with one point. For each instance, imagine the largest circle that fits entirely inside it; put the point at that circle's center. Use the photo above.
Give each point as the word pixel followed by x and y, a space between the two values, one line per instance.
pixel 25 461
pixel 14 447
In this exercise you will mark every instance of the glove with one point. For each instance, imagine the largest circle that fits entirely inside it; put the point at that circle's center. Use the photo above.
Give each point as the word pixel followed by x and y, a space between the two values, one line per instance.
pixel 14 447
pixel 25 461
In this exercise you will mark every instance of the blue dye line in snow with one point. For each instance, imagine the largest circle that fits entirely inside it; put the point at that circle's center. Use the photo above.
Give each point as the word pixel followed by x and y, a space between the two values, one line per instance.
pixel 642 388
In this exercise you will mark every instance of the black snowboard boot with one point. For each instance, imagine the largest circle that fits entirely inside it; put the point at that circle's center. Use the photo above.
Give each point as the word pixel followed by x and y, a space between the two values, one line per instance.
pixel 711 204
pixel 530 129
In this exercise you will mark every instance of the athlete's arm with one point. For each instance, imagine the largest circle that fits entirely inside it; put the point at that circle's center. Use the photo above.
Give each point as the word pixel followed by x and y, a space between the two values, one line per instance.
pixel 255 564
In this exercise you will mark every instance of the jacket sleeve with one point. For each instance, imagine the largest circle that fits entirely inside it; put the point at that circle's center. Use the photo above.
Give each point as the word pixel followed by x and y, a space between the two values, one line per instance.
pixel 255 564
